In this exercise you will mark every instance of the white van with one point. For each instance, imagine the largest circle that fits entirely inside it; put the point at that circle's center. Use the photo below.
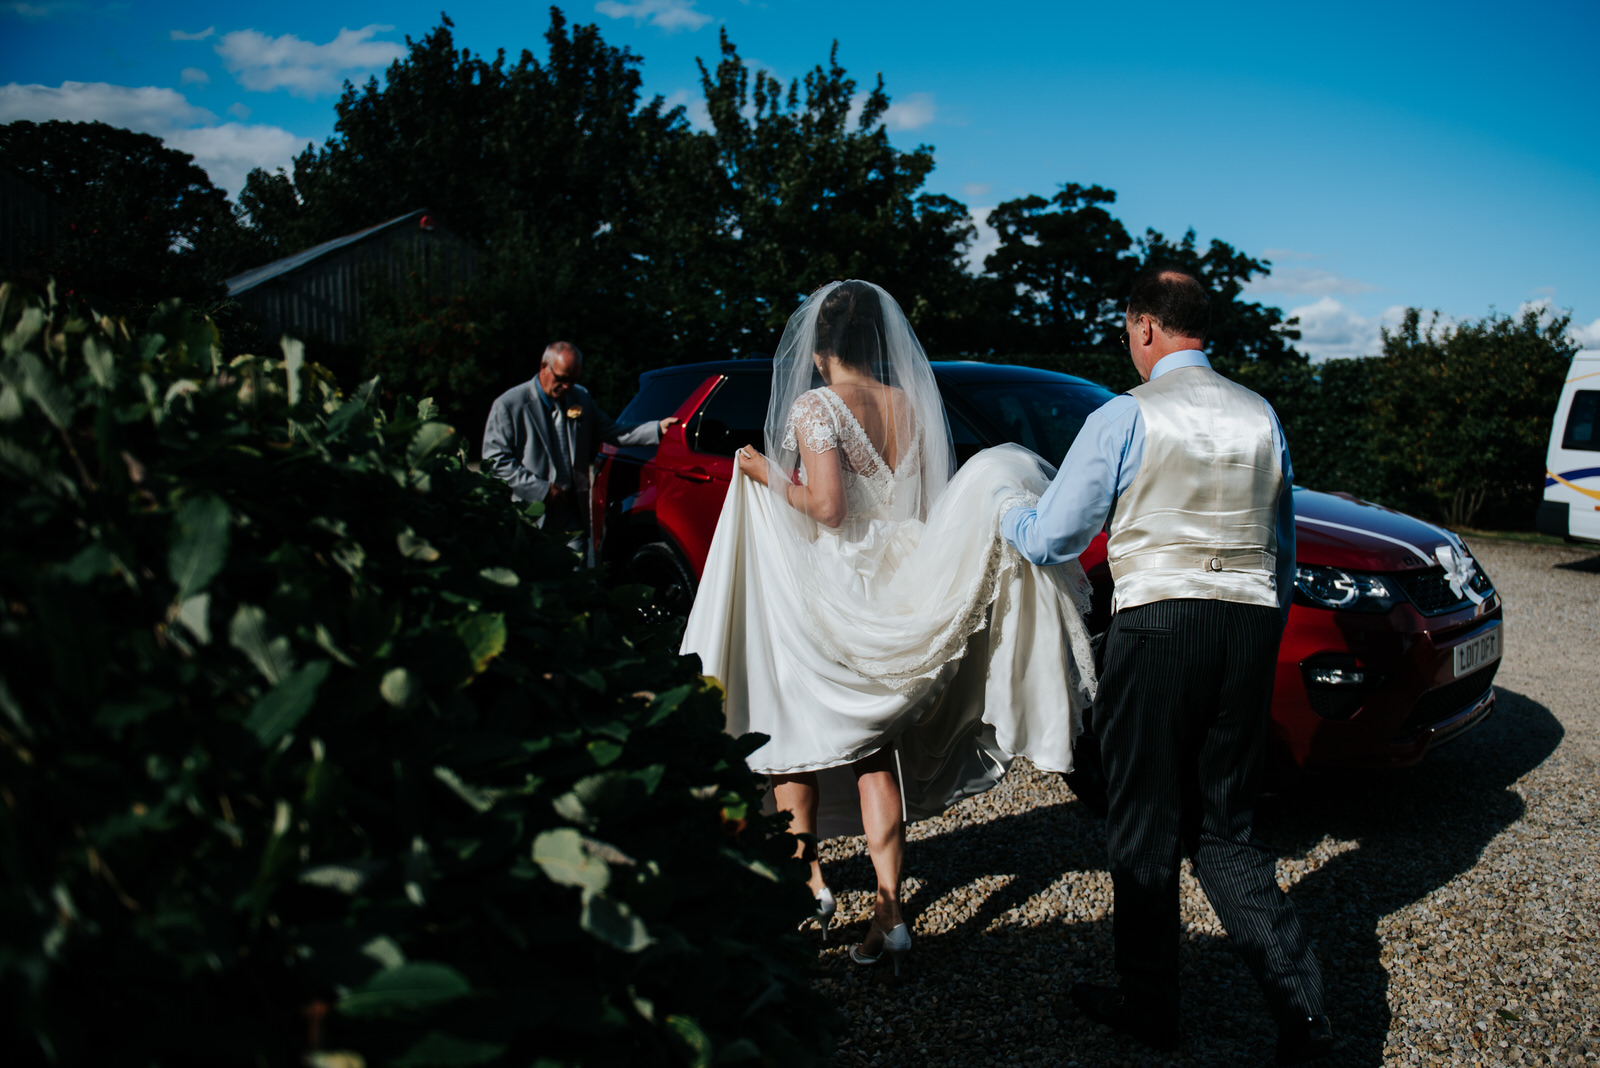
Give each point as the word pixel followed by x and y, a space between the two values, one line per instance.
pixel 1571 505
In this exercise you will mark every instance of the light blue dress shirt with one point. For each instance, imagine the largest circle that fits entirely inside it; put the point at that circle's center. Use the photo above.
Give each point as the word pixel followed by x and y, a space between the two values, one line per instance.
pixel 1100 467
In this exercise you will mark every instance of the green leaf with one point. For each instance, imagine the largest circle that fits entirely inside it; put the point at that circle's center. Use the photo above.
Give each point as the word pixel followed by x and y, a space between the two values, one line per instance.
pixel 344 415
pixel 199 545
pixel 614 923
pixel 97 354
pixel 408 987
pixel 400 688
pixel 92 562
pixel 294 358
pixel 27 465
pixel 195 614
pixel 248 634
pixel 278 710
pixel 29 325
pixel 694 1041
pixel 40 384
pixel 481 800
pixel 500 576
pixel 428 439
pixel 13 710
pixel 565 858
pixel 414 547
pixel 115 716
pixel 345 878
pixel 442 1049
pixel 484 635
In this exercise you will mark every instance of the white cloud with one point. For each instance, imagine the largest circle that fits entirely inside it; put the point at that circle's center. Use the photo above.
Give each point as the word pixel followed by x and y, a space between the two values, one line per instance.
pixel 987 240
pixel 227 151
pixel 307 70
pixel 1308 282
pixel 148 108
pixel 1586 335
pixel 41 10
pixel 976 190
pixel 694 105
pixel 179 35
pixel 913 111
pixel 239 110
pixel 917 109
pixel 195 76
pixel 1286 254
pixel 669 15
pixel 1329 330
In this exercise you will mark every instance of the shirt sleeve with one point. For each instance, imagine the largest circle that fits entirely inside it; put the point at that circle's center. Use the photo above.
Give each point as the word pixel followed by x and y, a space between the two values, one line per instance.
pixel 1098 467
pixel 1286 529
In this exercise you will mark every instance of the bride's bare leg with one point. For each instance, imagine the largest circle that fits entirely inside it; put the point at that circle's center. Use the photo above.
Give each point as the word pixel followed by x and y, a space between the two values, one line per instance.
pixel 797 795
pixel 886 840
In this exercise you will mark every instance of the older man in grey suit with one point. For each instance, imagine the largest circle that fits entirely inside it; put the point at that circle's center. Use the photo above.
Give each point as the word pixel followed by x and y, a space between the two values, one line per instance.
pixel 542 434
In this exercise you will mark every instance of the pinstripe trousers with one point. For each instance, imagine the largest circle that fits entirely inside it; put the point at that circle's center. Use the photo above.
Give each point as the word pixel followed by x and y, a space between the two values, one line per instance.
pixel 1185 692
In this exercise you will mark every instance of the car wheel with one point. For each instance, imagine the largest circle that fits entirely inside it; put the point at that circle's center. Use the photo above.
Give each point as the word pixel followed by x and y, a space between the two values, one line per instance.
pixel 661 567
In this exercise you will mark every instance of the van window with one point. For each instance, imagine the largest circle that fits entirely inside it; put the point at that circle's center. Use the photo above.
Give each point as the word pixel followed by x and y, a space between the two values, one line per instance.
pixel 734 416
pixel 1580 432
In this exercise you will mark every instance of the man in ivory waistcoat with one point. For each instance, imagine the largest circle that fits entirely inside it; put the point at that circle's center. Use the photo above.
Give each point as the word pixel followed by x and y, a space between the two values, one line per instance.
pixel 1193 473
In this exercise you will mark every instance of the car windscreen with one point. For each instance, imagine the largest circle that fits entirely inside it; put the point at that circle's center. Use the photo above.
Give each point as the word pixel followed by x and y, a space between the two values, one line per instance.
pixel 1042 416
pixel 660 395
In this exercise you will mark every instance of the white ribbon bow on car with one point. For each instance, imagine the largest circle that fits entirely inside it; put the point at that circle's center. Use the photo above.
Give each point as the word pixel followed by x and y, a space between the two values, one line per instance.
pixel 1459 569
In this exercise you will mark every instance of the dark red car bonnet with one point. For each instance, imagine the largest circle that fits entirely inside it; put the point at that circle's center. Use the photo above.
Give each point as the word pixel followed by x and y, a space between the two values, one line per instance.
pixel 1336 530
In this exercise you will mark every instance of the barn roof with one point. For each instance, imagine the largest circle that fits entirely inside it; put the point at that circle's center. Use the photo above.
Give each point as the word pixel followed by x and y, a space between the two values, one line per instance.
pixel 248 280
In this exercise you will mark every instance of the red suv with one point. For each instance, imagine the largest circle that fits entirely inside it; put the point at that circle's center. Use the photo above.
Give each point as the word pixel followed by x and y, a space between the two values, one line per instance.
pixel 1382 659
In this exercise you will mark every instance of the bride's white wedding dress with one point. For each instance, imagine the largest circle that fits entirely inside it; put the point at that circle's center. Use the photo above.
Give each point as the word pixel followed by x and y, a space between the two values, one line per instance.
pixel 931 637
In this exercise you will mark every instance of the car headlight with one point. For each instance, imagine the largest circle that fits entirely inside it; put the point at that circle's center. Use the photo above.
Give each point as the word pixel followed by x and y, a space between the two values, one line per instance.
pixel 1349 591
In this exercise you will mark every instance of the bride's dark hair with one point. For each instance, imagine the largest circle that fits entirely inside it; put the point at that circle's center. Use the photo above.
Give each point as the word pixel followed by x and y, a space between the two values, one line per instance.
pixel 850 325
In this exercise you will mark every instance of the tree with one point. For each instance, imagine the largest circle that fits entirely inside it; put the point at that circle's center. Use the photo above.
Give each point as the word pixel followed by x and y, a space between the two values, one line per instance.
pixel 1460 418
pixel 1243 333
pixel 138 222
pixel 811 190
pixel 554 168
pixel 1065 269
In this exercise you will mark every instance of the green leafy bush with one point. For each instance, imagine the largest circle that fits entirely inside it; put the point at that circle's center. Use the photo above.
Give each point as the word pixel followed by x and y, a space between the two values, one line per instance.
pixel 312 746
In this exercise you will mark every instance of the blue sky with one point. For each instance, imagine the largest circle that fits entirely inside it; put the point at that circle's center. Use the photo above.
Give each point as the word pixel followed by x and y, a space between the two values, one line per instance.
pixel 1444 156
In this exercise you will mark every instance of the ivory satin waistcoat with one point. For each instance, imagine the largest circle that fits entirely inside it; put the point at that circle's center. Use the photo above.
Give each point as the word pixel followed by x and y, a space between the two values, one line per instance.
pixel 1200 518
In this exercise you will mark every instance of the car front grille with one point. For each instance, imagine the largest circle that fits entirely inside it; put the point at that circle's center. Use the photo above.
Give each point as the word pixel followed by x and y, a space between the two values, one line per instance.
pixel 1431 592
pixel 1438 705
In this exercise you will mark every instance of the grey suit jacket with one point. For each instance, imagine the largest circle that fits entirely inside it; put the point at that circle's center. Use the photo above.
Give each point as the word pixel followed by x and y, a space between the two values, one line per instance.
pixel 519 442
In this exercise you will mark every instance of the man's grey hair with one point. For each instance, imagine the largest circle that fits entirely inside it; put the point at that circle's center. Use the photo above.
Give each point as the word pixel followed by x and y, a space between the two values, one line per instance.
pixel 557 349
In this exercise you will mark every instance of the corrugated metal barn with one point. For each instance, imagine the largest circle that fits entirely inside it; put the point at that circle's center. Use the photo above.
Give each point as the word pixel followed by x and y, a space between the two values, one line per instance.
pixel 316 294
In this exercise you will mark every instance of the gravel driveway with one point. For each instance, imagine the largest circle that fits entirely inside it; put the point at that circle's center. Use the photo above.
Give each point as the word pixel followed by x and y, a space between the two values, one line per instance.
pixel 1455 905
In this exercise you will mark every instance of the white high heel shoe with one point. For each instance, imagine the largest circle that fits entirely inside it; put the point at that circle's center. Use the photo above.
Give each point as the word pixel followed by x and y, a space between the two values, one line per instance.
pixel 826 906
pixel 896 943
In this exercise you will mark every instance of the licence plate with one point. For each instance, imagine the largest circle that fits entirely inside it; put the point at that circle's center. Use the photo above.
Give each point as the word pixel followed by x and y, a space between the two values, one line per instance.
pixel 1474 654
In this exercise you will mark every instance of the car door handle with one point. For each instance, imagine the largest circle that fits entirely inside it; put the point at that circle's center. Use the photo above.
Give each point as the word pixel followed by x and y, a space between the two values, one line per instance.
pixel 694 474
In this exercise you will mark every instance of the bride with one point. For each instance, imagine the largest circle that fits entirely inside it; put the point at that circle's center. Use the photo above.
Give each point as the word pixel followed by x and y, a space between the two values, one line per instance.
pixel 861 610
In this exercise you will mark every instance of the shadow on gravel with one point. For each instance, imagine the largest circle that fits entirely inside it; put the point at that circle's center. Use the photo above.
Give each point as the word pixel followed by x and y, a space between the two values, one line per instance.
pixel 1416 829
pixel 972 997
pixel 1590 564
